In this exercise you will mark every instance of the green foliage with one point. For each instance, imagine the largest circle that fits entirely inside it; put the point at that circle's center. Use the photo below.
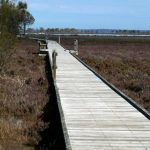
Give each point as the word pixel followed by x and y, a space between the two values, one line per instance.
pixel 12 18
pixel 8 29
pixel 9 18
pixel 7 43
pixel 25 16
pixel 28 20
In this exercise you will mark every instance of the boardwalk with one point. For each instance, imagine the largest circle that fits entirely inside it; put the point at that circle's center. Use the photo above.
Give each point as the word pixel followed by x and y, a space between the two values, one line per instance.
pixel 96 117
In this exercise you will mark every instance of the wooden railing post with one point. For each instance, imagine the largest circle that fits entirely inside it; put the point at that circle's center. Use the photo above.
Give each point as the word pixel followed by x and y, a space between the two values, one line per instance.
pixel 43 45
pixel 59 39
pixel 54 65
pixel 76 46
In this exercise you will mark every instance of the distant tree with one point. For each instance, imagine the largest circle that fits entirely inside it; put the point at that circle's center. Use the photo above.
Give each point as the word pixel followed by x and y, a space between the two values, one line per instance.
pixel 11 18
pixel 8 17
pixel 25 17
pixel 29 20
pixel 8 30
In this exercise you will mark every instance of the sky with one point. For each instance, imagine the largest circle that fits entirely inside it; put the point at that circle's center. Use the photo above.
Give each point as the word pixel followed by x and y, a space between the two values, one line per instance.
pixel 91 14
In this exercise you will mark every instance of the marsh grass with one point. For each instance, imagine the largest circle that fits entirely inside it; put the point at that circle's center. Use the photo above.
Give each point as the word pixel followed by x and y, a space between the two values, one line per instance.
pixel 23 95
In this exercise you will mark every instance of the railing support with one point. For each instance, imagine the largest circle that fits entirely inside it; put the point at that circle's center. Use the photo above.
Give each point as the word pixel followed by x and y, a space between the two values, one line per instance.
pixel 54 65
pixel 76 47
pixel 42 44
pixel 59 39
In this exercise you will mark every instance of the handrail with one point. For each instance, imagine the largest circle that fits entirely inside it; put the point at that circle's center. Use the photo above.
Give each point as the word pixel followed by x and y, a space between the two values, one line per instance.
pixel 54 65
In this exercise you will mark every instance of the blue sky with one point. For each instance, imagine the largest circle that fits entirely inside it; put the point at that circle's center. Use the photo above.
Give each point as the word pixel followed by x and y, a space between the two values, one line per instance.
pixel 97 14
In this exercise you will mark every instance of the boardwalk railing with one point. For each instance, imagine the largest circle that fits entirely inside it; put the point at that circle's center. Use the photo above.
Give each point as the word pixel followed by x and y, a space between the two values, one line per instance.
pixel 42 44
pixel 76 48
pixel 93 114
pixel 54 65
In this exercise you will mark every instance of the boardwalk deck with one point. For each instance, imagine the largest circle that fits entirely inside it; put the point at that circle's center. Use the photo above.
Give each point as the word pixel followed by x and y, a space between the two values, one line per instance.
pixel 96 117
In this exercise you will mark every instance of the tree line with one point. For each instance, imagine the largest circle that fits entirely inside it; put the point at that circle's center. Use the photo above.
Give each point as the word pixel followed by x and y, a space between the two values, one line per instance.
pixel 52 31
pixel 14 17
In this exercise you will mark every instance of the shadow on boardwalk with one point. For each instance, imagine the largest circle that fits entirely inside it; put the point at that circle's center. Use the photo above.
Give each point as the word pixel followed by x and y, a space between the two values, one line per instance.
pixel 52 137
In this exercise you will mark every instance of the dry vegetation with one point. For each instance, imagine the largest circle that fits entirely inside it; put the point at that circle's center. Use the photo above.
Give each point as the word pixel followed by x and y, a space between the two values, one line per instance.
pixel 123 62
pixel 23 94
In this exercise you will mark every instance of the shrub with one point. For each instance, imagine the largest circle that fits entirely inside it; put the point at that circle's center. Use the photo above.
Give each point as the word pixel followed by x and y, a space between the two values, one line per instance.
pixel 7 43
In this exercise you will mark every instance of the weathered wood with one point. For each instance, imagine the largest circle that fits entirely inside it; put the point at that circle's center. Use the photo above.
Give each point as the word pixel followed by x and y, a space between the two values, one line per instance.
pixel 42 44
pixel 76 46
pixel 96 117
pixel 54 65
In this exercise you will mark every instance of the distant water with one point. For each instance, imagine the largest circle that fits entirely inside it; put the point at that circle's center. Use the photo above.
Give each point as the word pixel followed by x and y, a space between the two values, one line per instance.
pixel 104 35
pixel 117 35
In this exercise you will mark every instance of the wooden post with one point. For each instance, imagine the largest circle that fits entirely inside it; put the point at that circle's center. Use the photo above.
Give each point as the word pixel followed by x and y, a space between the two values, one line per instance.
pixel 76 46
pixel 43 44
pixel 39 45
pixel 59 39
pixel 54 66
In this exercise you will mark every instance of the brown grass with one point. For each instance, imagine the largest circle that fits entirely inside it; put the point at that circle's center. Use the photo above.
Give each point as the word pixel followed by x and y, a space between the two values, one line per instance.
pixel 23 94
pixel 124 63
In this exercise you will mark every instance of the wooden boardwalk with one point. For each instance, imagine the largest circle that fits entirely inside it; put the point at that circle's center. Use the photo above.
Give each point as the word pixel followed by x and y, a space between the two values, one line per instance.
pixel 96 117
